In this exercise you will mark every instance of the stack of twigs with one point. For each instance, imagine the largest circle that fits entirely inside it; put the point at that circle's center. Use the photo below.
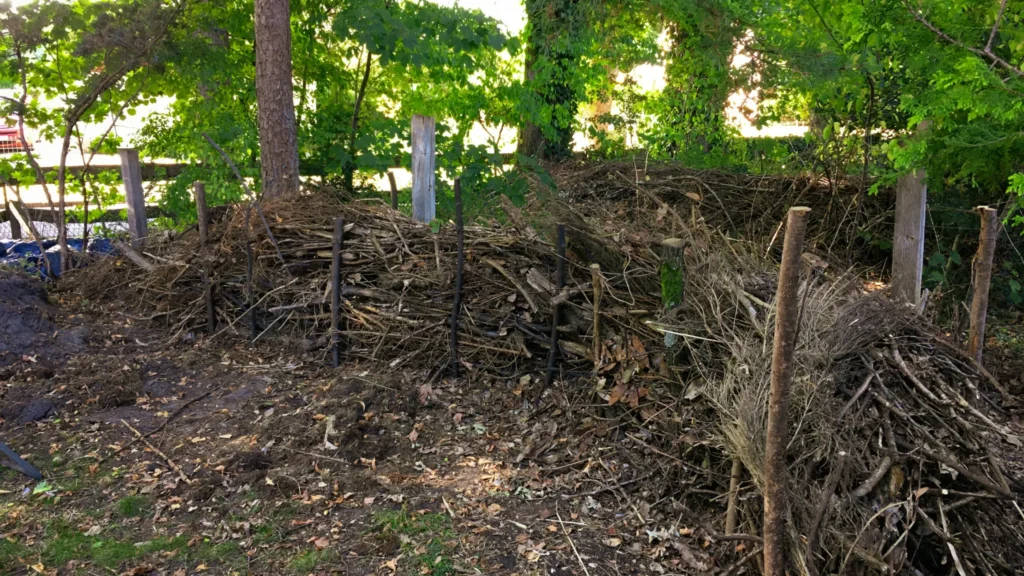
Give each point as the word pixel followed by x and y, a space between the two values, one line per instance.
pixel 901 454
pixel 397 287
pixel 747 205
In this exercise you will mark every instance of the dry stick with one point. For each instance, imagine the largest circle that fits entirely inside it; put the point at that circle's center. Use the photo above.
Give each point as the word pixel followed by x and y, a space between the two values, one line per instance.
pixel 556 308
pixel 460 261
pixel 575 551
pixel 394 190
pixel 873 480
pixel 134 256
pixel 512 279
pixel 982 280
pixel 175 467
pixel 339 240
pixel 163 425
pixel 787 313
pixel 595 280
pixel 202 211
pixel 814 534
pixel 734 492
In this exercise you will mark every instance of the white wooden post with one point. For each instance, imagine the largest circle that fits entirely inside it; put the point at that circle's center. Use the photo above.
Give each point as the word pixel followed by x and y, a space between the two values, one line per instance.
pixel 424 204
pixel 908 239
pixel 131 174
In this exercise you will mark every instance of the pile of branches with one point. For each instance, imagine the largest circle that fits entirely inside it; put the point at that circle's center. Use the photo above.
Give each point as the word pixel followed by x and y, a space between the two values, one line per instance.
pixel 745 205
pixel 398 284
pixel 901 456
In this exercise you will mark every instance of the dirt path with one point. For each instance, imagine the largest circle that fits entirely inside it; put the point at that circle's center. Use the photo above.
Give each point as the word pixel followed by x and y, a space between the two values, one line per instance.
pixel 266 463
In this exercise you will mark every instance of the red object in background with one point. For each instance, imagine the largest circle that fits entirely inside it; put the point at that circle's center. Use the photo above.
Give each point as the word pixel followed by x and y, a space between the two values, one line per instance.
pixel 10 140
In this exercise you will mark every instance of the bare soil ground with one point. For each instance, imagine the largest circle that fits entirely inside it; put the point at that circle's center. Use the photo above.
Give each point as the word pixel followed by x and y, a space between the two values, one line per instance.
pixel 262 462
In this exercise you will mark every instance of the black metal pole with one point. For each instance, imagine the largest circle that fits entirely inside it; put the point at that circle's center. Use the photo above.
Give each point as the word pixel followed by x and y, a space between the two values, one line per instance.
pixel 249 290
pixel 459 263
pixel 339 240
pixel 556 309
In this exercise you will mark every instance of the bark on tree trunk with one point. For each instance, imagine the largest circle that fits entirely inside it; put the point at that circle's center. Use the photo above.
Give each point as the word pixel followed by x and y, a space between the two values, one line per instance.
pixel 551 22
pixel 776 503
pixel 279 150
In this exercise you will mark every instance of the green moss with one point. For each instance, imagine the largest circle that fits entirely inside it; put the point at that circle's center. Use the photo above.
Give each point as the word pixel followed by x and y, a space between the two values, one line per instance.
pixel 671 285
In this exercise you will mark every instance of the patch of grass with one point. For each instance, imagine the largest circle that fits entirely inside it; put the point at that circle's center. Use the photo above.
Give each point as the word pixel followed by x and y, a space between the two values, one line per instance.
pixel 134 506
pixel 10 552
pixel 310 560
pixel 64 545
pixel 426 538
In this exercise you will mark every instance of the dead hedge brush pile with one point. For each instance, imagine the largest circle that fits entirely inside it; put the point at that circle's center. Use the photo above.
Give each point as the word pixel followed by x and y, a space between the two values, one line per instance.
pixel 902 455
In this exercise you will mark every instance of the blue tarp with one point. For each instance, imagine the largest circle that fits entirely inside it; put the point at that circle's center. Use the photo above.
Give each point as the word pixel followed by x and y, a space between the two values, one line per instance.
pixel 25 255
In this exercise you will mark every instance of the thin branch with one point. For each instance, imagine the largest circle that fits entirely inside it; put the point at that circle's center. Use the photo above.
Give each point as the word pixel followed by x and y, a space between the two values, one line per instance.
pixel 995 27
pixel 986 53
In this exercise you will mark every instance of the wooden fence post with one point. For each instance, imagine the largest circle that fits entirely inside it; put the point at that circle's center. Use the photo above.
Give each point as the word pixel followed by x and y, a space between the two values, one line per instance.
pixel 339 243
pixel 982 274
pixel 131 174
pixel 908 238
pixel 557 307
pixel 787 316
pixel 202 211
pixel 460 261
pixel 394 190
pixel 424 204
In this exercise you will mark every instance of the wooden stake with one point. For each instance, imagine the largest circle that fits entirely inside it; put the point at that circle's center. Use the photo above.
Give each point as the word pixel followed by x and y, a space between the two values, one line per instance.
pixel 424 204
pixel 339 241
pixel 982 279
pixel 732 510
pixel 459 263
pixel 595 280
pixel 202 211
pixel 557 308
pixel 211 310
pixel 131 175
pixel 394 190
pixel 776 504
pixel 250 298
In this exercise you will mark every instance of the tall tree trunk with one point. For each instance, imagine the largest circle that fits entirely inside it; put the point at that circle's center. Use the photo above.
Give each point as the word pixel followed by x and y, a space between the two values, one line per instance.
pixel 552 58
pixel 279 148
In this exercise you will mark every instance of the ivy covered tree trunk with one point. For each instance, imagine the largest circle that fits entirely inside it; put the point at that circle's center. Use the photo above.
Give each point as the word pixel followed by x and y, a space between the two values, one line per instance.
pixel 698 77
pixel 554 45
pixel 279 149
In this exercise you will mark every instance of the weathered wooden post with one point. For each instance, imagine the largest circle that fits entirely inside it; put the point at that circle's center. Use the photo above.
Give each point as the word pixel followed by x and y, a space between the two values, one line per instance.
pixel 908 234
pixel 339 242
pixel 394 190
pixel 787 315
pixel 982 279
pixel 131 174
pixel 556 308
pixel 202 211
pixel 424 204
pixel 460 262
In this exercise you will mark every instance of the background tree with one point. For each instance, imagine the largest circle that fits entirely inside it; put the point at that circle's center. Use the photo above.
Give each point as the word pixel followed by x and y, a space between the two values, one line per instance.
pixel 279 150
